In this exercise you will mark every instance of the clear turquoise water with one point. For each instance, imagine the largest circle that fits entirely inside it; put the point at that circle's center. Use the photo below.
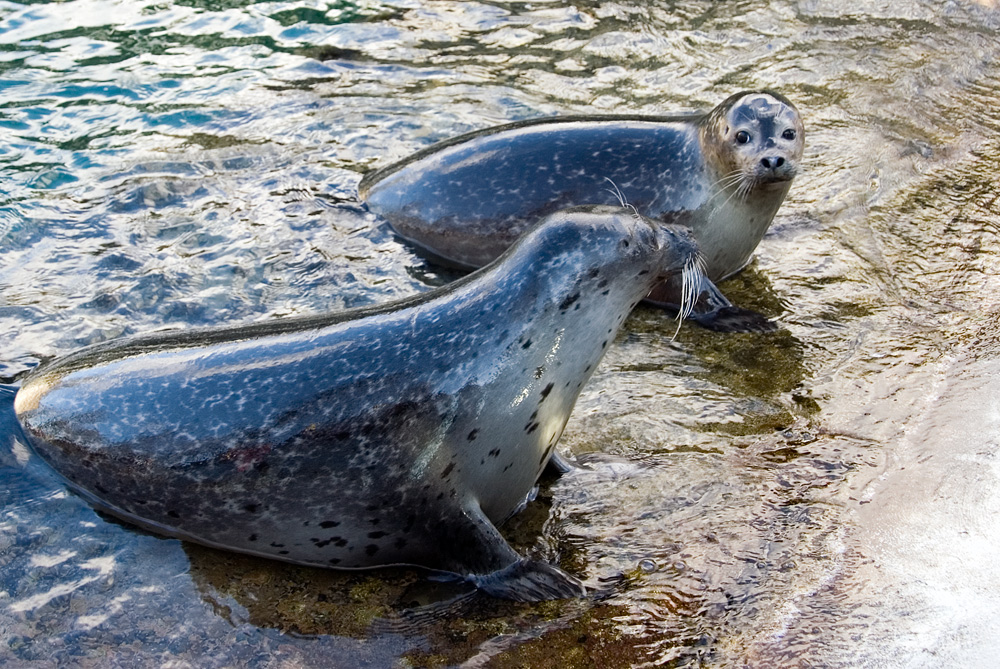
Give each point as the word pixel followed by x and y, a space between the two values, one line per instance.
pixel 825 495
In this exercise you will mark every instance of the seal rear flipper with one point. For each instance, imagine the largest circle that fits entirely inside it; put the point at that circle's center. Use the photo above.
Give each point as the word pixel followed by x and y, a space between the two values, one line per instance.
pixel 529 580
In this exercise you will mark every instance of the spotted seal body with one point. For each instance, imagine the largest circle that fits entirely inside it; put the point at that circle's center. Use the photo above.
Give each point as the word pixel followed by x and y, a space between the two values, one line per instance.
pixel 723 174
pixel 397 434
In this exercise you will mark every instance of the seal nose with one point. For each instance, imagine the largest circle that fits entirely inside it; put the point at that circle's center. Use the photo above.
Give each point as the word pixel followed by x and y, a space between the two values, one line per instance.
pixel 772 163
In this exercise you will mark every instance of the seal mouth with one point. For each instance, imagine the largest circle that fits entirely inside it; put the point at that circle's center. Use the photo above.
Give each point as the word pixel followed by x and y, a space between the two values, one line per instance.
pixel 774 177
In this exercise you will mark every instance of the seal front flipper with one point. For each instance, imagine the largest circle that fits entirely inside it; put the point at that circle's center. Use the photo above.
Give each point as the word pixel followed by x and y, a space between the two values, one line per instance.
pixel 487 561
pixel 714 312
pixel 711 310
pixel 558 465
pixel 530 581
pixel 734 319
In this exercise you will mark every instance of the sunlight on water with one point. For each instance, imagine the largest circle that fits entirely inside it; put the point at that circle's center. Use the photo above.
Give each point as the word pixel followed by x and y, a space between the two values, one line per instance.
pixel 822 496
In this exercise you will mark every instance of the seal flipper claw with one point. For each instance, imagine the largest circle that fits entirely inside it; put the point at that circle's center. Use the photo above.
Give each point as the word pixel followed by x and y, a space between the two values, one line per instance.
pixel 559 465
pixel 529 581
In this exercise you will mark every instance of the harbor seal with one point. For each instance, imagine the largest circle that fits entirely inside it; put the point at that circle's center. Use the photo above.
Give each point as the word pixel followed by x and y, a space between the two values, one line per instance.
pixel 387 435
pixel 724 174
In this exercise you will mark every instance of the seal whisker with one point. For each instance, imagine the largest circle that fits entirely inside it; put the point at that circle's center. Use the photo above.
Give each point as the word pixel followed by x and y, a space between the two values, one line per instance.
pixel 621 198
pixel 734 195
pixel 691 276
pixel 724 183
pixel 726 180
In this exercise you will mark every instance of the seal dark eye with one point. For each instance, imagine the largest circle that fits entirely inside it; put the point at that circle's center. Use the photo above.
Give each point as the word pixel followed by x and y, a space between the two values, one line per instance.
pixel 742 137
pixel 788 134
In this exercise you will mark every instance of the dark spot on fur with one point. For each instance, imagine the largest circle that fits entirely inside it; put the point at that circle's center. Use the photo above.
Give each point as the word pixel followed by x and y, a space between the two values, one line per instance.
pixel 282 552
pixel 540 372
pixel 334 560
pixel 594 272
pixel 531 427
pixel 173 514
pixel 339 542
pixel 375 521
pixel 645 271
pixel 495 453
pixel 602 283
pixel 526 345
pixel 447 470
pixel 473 434
pixel 546 390
pixel 327 524
pixel 377 535
pixel 274 545
pixel 605 292
pixel 604 343
pixel 101 489
pixel 251 508
pixel 545 455
pixel 252 537
pixel 568 302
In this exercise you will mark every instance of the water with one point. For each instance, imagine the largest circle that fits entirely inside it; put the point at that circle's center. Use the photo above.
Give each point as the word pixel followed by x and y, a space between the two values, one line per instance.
pixel 822 496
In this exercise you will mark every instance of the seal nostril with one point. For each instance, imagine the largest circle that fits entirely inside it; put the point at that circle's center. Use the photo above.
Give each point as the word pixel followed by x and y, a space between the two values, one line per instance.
pixel 772 163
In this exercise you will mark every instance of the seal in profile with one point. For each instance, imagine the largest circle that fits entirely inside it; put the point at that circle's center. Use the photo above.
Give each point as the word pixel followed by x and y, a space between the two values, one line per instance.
pixel 723 174
pixel 396 434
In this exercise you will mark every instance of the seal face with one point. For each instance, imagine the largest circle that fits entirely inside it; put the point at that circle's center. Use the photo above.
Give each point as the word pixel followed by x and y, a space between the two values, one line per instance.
pixel 398 434
pixel 723 174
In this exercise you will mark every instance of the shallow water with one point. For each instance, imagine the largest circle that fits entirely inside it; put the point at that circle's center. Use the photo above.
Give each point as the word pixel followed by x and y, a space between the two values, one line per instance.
pixel 822 496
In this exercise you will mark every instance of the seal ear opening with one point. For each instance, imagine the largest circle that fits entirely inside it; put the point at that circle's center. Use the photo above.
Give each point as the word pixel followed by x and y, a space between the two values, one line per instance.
pixel 530 581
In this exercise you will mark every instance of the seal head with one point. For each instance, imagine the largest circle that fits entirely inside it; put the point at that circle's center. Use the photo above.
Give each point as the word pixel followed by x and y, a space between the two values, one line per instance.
pixel 754 141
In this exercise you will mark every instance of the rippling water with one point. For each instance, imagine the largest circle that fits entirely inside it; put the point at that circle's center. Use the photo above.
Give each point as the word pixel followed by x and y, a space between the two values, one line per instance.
pixel 823 496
